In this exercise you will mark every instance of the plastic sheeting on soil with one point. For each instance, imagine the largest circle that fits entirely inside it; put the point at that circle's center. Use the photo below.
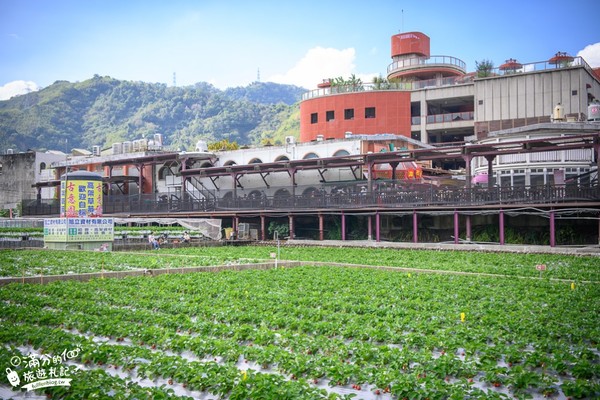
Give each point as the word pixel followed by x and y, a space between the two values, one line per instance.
pixel 210 228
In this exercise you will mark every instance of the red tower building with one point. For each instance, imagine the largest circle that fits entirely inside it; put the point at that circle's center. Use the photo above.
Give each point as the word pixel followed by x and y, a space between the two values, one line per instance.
pixel 380 107
pixel 411 60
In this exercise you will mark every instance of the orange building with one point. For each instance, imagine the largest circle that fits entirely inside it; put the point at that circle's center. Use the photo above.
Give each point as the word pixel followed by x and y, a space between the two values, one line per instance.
pixel 365 112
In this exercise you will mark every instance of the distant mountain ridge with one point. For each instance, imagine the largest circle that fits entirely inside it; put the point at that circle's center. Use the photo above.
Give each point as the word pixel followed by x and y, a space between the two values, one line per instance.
pixel 103 110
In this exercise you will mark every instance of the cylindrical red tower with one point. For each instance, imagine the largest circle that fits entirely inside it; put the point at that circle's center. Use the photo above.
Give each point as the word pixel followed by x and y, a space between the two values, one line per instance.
pixel 411 60
pixel 414 44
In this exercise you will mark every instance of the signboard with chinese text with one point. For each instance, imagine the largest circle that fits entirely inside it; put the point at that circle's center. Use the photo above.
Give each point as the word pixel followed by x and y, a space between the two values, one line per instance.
pixel 81 195
pixel 79 229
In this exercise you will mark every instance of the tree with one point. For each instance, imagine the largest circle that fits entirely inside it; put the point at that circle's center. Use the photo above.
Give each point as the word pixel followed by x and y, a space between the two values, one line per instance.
pixel 224 144
pixel 484 68
pixel 380 83
pixel 282 229
pixel 352 84
pixel 355 83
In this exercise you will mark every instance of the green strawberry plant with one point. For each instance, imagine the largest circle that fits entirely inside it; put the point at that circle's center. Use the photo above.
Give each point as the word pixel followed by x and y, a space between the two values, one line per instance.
pixel 397 333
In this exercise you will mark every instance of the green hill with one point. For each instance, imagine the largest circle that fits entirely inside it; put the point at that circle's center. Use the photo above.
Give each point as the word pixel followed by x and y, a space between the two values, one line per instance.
pixel 103 110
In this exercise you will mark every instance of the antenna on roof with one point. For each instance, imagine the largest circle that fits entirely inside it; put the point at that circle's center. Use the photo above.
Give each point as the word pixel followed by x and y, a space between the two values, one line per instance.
pixel 174 79
pixel 258 75
pixel 402 25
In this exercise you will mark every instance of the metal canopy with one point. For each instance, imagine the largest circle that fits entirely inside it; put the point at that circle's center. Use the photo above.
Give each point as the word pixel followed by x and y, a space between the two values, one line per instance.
pixel 105 179
pixel 439 153
pixel 159 158
pixel 152 159
pixel 362 160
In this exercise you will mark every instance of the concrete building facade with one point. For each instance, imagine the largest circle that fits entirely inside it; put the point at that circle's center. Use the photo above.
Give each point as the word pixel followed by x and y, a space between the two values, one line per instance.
pixel 19 172
pixel 444 103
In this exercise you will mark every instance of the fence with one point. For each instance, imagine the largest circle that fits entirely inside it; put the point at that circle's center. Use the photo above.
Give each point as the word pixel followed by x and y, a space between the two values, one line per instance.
pixel 385 194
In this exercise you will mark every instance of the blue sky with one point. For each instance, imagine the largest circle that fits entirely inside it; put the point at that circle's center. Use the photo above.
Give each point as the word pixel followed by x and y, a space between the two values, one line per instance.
pixel 297 42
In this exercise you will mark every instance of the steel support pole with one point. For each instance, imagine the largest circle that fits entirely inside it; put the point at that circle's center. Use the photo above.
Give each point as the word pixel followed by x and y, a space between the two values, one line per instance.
pixel 456 230
pixel 377 226
pixel 501 221
pixel 415 228
pixel 552 230
pixel 291 220
pixel 468 228
pixel 321 233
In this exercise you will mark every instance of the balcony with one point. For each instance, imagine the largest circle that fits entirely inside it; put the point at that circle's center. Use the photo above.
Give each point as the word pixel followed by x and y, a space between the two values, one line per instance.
pixel 451 117
pixel 409 66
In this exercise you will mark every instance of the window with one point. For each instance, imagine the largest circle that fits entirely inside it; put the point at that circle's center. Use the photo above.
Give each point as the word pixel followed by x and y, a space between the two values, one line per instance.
pixel 163 172
pixel 574 92
pixel 349 113
pixel 314 118
pixel 519 180
pixel 584 177
pixel 536 177
pixel 329 115
pixel 480 102
pixel 370 112
pixel 341 152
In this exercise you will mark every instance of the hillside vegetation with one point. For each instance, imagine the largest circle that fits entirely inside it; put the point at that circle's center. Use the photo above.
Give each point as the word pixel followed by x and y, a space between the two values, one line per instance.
pixel 103 110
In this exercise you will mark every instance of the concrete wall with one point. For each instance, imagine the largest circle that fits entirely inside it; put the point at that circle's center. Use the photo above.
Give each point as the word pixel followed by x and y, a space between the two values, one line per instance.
pixel 530 95
pixel 392 114
pixel 19 172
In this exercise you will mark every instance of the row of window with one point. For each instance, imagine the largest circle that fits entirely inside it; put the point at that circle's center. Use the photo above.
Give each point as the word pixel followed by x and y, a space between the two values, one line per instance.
pixel 348 115
pixel 173 169
pixel 543 176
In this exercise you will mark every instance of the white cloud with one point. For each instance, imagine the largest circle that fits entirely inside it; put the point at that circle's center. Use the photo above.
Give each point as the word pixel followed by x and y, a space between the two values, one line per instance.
pixel 591 55
pixel 319 63
pixel 16 88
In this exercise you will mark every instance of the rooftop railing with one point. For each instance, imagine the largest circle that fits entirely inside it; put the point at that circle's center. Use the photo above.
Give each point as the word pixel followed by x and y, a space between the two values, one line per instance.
pixel 449 81
pixel 363 87
pixel 540 66
pixel 397 86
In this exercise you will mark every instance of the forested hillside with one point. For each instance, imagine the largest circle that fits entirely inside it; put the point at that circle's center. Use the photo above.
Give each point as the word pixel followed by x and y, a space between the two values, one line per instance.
pixel 103 110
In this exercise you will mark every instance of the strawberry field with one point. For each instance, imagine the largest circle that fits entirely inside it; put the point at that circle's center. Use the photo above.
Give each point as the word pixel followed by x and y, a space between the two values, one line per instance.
pixel 44 262
pixel 314 331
